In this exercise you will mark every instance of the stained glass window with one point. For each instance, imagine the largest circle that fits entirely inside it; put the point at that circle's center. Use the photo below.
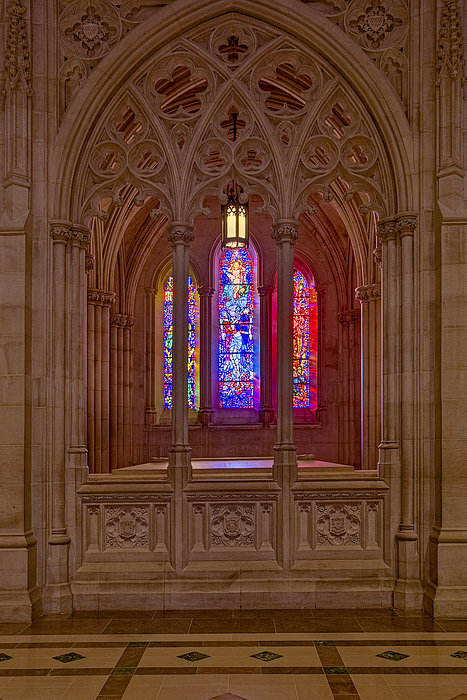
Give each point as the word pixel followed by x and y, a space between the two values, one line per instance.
pixel 168 342
pixel 236 341
pixel 305 333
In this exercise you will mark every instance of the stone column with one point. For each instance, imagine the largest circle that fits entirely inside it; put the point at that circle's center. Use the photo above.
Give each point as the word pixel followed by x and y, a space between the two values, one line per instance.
pixel 150 374
pixel 369 297
pixel 285 234
pixel 205 322
pixel 121 385
pixel 99 303
pixel 180 236
pixel 447 593
pixel 349 417
pixel 266 411
pixel 400 468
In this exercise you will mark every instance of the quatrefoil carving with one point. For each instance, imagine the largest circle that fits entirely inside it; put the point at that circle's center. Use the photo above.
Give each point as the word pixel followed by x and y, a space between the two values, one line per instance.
pixel 286 87
pixel 181 91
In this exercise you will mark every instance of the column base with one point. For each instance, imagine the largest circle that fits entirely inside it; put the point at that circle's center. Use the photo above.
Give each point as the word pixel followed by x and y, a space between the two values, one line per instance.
pixel 20 597
pixel 57 596
pixel 179 464
pixel 285 455
pixel 266 416
pixel 205 416
pixel 446 594
pixel 408 592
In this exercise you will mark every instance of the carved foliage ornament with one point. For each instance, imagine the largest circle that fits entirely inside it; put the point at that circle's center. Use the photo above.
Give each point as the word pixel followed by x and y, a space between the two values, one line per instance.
pixel 450 45
pixel 370 292
pixel 17 58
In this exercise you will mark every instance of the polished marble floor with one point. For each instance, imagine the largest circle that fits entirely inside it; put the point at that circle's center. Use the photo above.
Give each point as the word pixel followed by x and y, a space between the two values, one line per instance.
pixel 234 655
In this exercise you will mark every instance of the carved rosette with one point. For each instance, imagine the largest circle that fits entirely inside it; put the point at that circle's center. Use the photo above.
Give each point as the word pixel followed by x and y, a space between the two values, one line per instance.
pixel 338 524
pixel 126 527
pixel 180 234
pixel 285 232
pixel 232 526
pixel 98 297
pixel 369 292
pixel 89 32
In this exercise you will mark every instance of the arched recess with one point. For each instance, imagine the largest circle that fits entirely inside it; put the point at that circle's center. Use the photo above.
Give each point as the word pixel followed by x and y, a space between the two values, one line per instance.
pixel 298 164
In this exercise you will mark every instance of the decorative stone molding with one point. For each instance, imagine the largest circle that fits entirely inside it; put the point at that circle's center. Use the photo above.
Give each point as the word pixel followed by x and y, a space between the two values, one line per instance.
pixel 350 316
pixel 126 498
pixel 285 232
pixel 318 495
pixel 232 525
pixel 450 50
pixel 126 527
pixel 205 291
pixel 232 496
pixel 99 297
pixel 338 524
pixel 17 72
pixel 180 234
pixel 406 224
pixel 369 292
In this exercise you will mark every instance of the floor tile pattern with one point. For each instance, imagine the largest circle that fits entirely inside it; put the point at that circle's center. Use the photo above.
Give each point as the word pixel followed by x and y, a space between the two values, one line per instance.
pixel 234 655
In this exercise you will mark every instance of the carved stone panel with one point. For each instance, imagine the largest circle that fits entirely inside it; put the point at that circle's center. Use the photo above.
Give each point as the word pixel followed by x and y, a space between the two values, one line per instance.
pixel 232 526
pixel 338 524
pixel 127 527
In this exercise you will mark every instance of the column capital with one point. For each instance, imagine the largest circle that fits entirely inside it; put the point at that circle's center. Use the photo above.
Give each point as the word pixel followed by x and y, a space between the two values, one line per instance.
pixel 89 262
pixel 349 316
pixel 378 255
pixel 66 232
pixel 205 291
pixel 121 320
pixel 285 231
pixel 99 297
pixel 180 233
pixel 265 290
pixel 60 231
pixel 368 292
pixel 403 224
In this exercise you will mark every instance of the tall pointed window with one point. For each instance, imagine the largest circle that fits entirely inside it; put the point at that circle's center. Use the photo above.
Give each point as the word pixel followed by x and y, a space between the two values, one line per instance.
pixel 236 337
pixel 168 343
pixel 305 333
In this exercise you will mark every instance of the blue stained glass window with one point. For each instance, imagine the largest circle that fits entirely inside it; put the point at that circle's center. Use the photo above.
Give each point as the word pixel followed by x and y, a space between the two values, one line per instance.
pixel 168 343
pixel 236 341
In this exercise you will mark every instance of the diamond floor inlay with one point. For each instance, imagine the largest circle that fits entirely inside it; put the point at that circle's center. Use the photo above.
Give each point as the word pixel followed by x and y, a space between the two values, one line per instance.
pixel 460 655
pixel 266 656
pixel 5 657
pixel 334 670
pixel 393 656
pixel 66 658
pixel 193 656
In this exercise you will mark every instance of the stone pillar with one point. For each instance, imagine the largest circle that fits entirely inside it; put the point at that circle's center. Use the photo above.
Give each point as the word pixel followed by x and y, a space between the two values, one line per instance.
pixel 150 374
pixel 69 243
pixel 285 234
pixel 99 303
pixel 399 303
pixel 180 236
pixel 447 593
pixel 121 385
pixel 349 416
pixel 369 297
pixel 266 410
pixel 205 367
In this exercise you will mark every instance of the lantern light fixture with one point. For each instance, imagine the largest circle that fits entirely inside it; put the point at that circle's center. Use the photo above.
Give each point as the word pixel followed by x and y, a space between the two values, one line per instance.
pixel 234 219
